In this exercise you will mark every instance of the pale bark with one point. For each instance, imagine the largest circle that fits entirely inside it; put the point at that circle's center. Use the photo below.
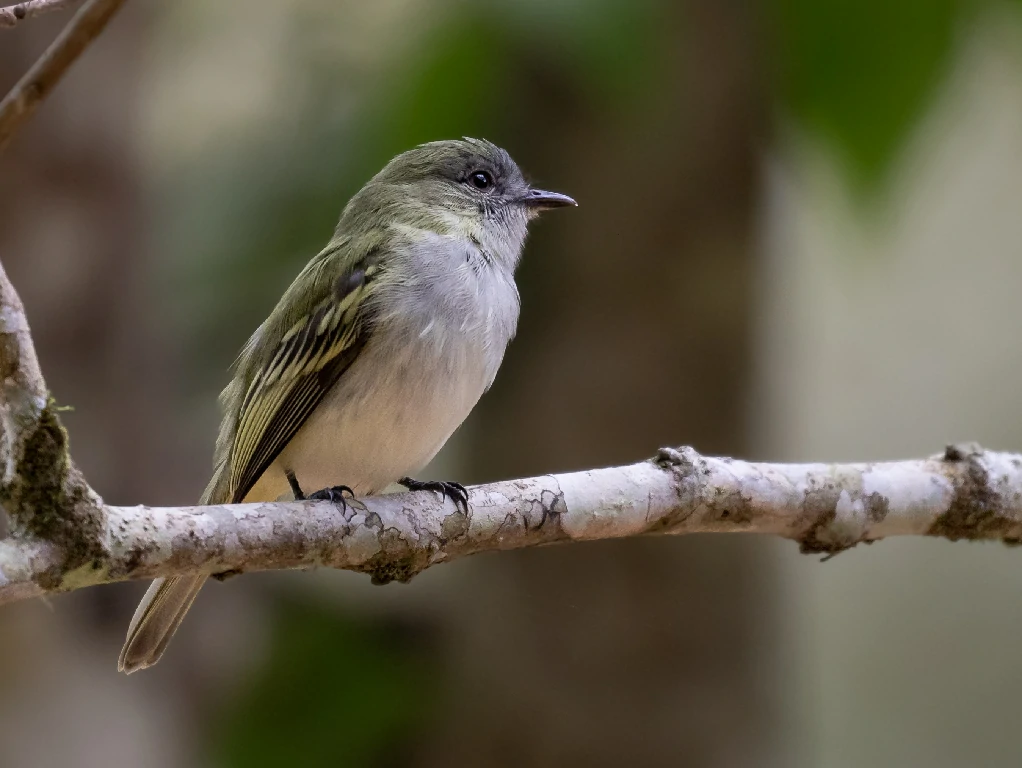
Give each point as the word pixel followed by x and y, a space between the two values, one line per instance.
pixel 965 493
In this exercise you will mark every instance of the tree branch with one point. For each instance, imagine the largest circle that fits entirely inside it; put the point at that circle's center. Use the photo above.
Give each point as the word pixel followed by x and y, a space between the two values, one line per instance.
pixel 28 93
pixel 966 493
pixel 22 389
pixel 48 502
pixel 12 14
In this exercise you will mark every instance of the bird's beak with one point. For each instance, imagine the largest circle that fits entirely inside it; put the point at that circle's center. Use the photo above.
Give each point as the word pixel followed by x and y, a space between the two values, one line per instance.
pixel 541 200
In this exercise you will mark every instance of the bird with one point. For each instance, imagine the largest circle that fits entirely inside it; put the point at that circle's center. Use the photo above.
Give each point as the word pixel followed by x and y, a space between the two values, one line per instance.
pixel 377 351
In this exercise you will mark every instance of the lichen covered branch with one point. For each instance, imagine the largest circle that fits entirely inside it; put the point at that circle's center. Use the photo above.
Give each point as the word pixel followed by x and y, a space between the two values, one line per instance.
pixel 46 499
pixel 965 493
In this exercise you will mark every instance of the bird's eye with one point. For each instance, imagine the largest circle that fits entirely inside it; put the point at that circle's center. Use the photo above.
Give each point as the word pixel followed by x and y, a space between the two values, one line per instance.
pixel 481 180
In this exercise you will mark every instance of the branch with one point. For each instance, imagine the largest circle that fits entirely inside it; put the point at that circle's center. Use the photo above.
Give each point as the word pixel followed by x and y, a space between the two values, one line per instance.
pixel 28 93
pixel 22 389
pixel 966 493
pixel 12 14
pixel 46 499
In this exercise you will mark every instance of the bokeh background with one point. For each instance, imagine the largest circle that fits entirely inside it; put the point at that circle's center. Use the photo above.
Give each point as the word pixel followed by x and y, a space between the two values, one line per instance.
pixel 798 239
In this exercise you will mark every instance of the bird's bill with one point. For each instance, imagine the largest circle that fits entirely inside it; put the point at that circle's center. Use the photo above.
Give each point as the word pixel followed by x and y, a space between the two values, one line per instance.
pixel 541 200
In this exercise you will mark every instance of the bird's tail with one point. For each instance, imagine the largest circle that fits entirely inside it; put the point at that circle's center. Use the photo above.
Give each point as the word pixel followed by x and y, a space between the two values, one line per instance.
pixel 156 619
pixel 167 601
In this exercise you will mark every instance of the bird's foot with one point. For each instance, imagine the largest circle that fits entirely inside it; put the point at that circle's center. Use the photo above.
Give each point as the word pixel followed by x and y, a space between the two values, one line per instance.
pixel 454 491
pixel 334 495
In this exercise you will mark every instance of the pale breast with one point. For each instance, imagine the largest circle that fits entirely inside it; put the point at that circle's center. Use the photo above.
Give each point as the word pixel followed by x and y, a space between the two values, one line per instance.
pixel 430 358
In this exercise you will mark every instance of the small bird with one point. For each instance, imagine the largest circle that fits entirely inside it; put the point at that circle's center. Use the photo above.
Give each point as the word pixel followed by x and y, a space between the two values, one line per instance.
pixel 377 351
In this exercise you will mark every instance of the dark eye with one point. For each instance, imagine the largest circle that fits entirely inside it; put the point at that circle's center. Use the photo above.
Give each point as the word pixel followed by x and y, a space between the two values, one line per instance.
pixel 481 180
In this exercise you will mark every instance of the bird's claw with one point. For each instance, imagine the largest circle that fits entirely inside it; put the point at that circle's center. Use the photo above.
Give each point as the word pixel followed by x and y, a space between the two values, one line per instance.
pixel 454 491
pixel 335 495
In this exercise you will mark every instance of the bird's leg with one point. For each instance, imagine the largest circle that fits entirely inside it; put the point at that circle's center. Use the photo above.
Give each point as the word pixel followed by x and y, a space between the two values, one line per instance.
pixel 454 491
pixel 334 494
pixel 293 482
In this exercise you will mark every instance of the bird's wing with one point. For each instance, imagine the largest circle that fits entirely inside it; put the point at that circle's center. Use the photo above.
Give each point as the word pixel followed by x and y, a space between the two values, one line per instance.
pixel 287 384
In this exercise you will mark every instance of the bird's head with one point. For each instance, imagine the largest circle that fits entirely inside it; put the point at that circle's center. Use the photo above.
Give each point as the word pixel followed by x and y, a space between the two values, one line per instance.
pixel 464 186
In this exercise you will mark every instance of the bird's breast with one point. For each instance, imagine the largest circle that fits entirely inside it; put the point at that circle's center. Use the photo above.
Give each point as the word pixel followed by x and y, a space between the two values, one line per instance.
pixel 433 352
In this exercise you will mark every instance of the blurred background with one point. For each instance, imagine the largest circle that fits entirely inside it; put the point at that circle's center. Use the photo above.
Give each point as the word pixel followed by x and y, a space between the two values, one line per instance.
pixel 798 239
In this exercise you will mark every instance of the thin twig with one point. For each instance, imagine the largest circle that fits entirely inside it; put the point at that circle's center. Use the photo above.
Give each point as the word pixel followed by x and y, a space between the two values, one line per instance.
pixel 28 93
pixel 12 14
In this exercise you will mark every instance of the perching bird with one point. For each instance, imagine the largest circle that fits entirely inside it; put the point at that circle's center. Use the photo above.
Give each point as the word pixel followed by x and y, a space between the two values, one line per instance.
pixel 376 353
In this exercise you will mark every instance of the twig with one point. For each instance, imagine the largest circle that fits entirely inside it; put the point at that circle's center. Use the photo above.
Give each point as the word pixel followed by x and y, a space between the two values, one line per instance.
pixel 12 14
pixel 28 93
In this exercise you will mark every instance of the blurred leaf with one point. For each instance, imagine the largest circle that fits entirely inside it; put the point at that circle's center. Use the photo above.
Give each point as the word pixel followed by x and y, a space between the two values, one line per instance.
pixel 333 693
pixel 862 72
pixel 452 88
pixel 611 49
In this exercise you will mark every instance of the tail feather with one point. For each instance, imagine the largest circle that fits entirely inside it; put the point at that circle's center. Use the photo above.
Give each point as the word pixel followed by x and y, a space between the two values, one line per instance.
pixel 167 600
pixel 156 619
